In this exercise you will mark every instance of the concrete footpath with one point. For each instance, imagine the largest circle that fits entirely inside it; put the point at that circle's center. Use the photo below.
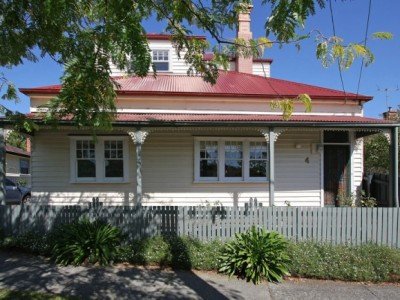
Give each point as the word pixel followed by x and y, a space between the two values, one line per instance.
pixel 23 272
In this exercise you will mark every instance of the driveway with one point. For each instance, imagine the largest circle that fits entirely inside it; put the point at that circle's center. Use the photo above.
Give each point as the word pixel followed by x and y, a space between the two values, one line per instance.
pixel 23 272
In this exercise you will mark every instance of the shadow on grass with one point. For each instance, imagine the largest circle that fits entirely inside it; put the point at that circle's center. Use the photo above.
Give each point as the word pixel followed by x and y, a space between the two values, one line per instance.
pixel 21 272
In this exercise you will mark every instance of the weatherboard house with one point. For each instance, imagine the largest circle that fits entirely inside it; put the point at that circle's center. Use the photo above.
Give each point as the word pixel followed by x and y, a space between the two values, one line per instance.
pixel 178 140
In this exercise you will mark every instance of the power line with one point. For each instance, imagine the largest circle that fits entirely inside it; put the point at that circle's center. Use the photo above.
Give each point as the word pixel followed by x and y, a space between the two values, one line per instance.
pixel 365 45
pixel 334 33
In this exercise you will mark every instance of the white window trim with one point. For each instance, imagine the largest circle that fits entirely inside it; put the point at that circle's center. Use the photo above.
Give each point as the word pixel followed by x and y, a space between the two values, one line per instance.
pixel 169 59
pixel 221 160
pixel 100 160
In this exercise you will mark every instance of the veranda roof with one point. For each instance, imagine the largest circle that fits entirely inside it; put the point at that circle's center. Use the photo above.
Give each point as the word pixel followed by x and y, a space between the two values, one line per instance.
pixel 180 119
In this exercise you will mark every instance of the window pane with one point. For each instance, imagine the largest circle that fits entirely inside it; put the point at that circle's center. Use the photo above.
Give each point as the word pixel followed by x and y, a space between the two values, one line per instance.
pixel 212 152
pixel 208 159
pixel 208 168
pixel 113 155
pixel 24 166
pixel 258 168
pixel 233 168
pixel 233 159
pixel 161 66
pixel 258 150
pixel 86 162
pixel 114 168
pixel 86 168
pixel 85 149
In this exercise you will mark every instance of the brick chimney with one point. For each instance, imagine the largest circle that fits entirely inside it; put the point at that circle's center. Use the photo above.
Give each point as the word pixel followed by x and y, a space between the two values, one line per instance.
pixel 244 64
pixel 391 115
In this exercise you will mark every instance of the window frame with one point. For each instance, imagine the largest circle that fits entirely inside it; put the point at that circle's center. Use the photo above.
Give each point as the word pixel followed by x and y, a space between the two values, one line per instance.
pixel 99 159
pixel 221 160
pixel 169 59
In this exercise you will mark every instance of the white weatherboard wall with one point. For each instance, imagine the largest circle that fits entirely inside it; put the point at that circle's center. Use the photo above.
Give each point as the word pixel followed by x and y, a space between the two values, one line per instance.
pixel 298 169
pixel 357 160
pixel 50 170
pixel 168 172
pixel 179 66
pixel 262 69
pixel 218 105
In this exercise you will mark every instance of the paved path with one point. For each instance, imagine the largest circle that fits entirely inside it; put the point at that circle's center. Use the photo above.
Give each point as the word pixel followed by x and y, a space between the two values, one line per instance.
pixel 22 272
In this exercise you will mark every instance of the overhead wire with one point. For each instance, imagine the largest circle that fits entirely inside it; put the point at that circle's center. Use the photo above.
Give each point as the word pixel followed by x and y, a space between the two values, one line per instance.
pixel 334 33
pixel 365 45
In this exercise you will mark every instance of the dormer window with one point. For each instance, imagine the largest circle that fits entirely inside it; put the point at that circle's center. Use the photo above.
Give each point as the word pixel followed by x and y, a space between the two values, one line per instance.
pixel 161 60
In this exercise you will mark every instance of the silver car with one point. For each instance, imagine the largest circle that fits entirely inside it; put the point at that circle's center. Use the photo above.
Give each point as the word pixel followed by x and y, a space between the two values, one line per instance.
pixel 16 194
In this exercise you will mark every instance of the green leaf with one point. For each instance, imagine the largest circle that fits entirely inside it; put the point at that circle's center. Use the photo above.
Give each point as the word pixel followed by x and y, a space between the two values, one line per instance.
pixel 382 35
pixel 306 100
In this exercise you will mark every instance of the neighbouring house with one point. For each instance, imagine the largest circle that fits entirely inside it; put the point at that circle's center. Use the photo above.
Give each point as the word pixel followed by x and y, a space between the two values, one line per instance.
pixel 178 140
pixel 17 164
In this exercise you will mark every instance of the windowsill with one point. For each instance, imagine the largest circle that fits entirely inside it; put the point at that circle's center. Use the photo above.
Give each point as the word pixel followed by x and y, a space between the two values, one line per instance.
pixel 231 182
pixel 99 182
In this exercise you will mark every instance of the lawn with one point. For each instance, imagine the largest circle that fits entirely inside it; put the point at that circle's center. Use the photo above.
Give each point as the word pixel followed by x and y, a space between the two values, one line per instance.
pixel 6 294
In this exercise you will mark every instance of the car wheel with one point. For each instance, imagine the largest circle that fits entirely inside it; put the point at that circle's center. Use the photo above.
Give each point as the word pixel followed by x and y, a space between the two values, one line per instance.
pixel 26 199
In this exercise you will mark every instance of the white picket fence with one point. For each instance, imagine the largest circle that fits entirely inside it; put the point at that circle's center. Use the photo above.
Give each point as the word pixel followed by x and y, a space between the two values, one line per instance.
pixel 334 225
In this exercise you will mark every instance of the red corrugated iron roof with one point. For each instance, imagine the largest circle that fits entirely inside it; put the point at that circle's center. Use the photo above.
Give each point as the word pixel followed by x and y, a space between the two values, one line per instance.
pixel 17 151
pixel 229 84
pixel 236 118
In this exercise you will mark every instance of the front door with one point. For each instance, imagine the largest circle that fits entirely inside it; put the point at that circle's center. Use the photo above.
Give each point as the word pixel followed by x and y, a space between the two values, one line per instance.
pixel 336 172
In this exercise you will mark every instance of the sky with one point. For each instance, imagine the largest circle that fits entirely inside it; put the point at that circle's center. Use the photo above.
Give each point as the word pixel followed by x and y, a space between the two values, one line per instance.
pixel 302 66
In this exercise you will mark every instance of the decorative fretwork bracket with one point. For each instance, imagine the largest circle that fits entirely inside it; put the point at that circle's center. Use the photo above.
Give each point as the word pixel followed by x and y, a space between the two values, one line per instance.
pixel 277 133
pixel 138 136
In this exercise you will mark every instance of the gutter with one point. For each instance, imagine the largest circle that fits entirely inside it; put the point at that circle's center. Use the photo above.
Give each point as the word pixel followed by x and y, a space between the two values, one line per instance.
pixel 230 124
pixel 33 91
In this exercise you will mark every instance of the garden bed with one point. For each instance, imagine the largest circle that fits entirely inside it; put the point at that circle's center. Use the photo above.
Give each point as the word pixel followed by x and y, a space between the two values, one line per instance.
pixel 366 262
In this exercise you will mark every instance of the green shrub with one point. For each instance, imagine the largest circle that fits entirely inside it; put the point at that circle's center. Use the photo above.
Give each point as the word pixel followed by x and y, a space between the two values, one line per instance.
pixel 204 255
pixel 172 251
pixel 86 242
pixel 89 241
pixel 366 262
pixel 256 254
pixel 30 242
